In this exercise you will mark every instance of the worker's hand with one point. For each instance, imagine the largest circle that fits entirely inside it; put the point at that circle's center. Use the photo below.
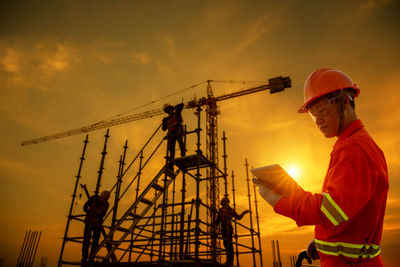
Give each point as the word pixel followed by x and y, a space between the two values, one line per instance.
pixel 312 250
pixel 270 196
pixel 244 213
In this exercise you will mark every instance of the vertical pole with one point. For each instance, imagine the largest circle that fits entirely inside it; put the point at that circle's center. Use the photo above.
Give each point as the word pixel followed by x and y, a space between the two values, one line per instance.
pixel 176 255
pixel 29 250
pixel 172 220
pixel 101 168
pixel 273 253
pixel 37 245
pixel 225 166
pixel 182 217
pixel 235 220
pixel 137 194
pixel 278 253
pixel 250 214
pixel 115 209
pixel 189 233
pixel 119 182
pixel 182 234
pixel 24 248
pixel 154 223
pixel 258 225
pixel 23 245
pixel 225 194
pixel 139 174
pixel 78 176
pixel 168 163
pixel 198 151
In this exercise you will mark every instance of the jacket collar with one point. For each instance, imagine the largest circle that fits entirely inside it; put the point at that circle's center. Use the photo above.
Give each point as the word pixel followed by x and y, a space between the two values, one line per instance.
pixel 351 129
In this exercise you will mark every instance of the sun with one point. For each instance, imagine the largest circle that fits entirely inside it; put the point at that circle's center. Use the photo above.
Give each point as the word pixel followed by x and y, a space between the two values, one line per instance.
pixel 293 171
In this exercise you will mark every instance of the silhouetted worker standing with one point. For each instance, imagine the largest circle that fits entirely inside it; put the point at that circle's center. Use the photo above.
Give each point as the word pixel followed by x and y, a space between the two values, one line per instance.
pixel 173 123
pixel 225 216
pixel 96 208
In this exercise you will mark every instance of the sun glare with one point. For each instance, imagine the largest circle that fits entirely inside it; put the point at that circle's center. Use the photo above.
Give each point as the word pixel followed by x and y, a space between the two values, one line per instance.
pixel 293 171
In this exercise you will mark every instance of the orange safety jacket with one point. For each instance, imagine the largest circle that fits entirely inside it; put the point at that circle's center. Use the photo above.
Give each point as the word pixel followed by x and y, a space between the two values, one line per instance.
pixel 348 215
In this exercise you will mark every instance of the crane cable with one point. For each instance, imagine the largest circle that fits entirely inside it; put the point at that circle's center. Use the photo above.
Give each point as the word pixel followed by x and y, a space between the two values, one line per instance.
pixel 150 103
pixel 175 93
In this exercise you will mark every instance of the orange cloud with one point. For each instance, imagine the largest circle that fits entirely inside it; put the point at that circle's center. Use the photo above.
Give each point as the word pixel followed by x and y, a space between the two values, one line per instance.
pixel 141 57
pixel 11 60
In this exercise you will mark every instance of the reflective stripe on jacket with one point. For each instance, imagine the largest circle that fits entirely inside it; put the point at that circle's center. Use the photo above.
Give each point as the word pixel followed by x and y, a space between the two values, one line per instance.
pixel 349 213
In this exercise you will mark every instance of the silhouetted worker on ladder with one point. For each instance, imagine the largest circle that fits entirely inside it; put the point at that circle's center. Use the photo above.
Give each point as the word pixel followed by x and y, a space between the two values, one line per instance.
pixel 225 216
pixel 95 208
pixel 173 123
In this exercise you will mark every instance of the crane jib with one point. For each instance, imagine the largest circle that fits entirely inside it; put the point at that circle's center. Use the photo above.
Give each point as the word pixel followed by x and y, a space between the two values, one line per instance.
pixel 275 85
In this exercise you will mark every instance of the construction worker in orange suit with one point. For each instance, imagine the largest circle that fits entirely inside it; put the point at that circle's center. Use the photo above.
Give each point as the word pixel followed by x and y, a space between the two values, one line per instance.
pixel 224 217
pixel 348 214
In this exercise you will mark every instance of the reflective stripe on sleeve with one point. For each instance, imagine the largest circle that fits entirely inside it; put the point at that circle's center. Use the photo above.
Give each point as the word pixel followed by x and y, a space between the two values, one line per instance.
pixel 332 210
pixel 347 249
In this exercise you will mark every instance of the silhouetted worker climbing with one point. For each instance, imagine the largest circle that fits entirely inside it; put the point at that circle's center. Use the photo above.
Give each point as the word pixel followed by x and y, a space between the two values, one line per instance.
pixel 96 208
pixel 225 216
pixel 173 123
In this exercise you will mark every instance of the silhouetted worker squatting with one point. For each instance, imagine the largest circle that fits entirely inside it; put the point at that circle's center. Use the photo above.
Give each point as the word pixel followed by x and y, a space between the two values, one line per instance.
pixel 225 216
pixel 96 208
pixel 173 123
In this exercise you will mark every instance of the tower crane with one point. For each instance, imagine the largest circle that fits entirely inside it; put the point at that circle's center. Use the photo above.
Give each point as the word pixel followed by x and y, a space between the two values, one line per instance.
pixel 274 85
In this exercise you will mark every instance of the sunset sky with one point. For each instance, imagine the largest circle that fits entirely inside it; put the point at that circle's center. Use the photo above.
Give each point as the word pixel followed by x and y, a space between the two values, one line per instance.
pixel 67 64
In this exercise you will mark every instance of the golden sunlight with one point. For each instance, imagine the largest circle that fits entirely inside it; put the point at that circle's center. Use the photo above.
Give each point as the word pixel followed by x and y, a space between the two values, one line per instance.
pixel 293 171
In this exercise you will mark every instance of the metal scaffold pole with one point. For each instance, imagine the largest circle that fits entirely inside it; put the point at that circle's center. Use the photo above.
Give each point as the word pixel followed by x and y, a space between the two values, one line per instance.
pixel 23 245
pixel 172 221
pixel 225 166
pixel 198 175
pixel 182 222
pixel 101 168
pixel 235 220
pixel 258 225
pixel 78 176
pixel 251 213
pixel 278 253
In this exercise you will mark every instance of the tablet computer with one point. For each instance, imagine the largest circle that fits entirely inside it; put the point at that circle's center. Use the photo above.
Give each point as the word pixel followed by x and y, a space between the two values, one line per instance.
pixel 276 178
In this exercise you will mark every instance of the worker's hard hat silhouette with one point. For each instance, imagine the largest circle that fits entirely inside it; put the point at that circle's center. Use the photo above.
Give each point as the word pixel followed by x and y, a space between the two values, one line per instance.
pixel 167 107
pixel 324 81
pixel 224 201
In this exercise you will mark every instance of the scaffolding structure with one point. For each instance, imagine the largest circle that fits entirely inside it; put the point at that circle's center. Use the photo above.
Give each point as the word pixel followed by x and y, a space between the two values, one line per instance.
pixel 150 223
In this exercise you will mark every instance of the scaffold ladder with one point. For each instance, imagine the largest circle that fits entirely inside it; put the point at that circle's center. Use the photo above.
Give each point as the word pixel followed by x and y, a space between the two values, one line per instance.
pixel 144 202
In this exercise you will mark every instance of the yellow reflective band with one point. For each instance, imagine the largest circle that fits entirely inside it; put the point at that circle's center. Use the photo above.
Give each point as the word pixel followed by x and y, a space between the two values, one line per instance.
pixel 327 214
pixel 347 249
pixel 336 206
pixel 332 211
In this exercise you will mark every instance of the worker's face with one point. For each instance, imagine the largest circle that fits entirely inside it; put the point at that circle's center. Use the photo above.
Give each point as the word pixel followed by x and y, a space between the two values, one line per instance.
pixel 325 114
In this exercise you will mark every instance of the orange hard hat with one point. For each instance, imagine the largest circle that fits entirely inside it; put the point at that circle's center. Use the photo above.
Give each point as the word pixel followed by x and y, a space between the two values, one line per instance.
pixel 325 81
